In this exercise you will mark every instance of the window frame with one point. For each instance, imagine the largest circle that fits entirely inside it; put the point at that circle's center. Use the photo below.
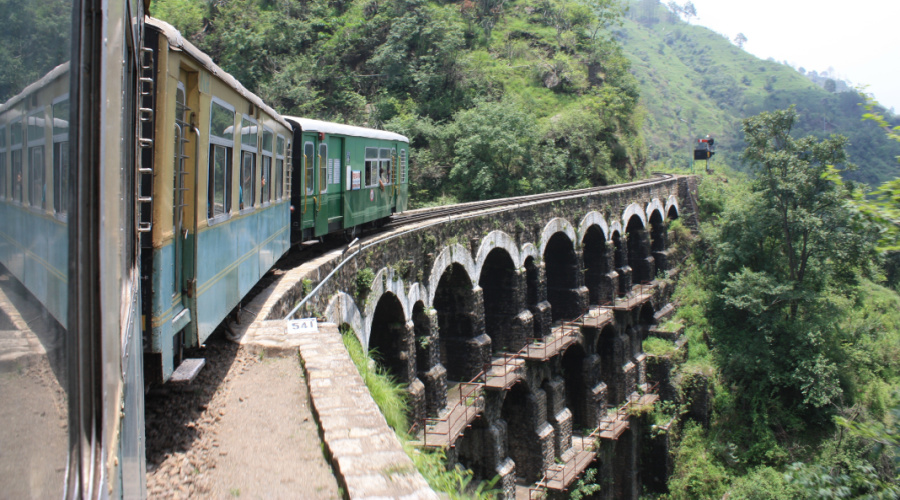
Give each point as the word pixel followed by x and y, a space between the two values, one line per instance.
pixel 33 146
pixel 309 166
pixel 60 148
pixel 3 163
pixel 249 151
pixel 279 167
pixel 386 180
pixel 265 168
pixel 13 149
pixel 402 166
pixel 228 145
pixel 371 163
pixel 323 168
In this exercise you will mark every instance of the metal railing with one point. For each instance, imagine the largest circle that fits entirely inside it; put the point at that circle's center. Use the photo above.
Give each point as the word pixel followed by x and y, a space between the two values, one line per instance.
pixel 469 394
pixel 507 365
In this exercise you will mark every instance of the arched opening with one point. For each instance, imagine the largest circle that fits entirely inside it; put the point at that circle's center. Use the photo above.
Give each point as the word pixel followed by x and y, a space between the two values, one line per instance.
pixel 464 349
pixel 576 393
pixel 672 214
pixel 532 297
pixel 596 263
pixel 621 263
pixel 658 242
pixel 524 447
pixel 498 283
pixel 389 338
pixel 562 277
pixel 606 349
pixel 425 350
pixel 639 250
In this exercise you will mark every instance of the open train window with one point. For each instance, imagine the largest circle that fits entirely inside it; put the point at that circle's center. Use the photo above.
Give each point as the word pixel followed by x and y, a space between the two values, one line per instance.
pixel 309 152
pixel 249 150
pixel 279 168
pixel 2 163
pixel 61 155
pixel 323 167
pixel 16 139
pixel 385 167
pixel 221 145
pixel 36 167
pixel 266 167
pixel 371 167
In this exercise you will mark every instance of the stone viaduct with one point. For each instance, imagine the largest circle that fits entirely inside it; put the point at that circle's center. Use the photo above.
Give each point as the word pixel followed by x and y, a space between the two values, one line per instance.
pixel 576 278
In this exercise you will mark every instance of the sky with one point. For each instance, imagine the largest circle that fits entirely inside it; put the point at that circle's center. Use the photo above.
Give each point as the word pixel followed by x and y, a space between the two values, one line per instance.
pixel 857 38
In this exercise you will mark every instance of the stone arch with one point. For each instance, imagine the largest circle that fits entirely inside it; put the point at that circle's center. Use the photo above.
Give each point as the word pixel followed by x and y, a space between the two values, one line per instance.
pixel 642 265
pixel 454 254
pixel 385 281
pixel 499 282
pixel 464 348
pixel 597 265
pixel 610 363
pixel 556 225
pixel 655 205
pixel 520 410
pixel 391 339
pixel 577 391
pixel 592 219
pixel 620 259
pixel 529 250
pixel 671 203
pixel 342 310
pixel 563 271
pixel 497 239
pixel 634 210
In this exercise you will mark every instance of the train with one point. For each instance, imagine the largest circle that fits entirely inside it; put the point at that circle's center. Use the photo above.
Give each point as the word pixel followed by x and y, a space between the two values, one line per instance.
pixel 143 192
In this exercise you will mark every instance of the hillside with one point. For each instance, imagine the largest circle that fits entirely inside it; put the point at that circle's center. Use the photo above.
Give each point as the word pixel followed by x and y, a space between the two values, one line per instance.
pixel 694 82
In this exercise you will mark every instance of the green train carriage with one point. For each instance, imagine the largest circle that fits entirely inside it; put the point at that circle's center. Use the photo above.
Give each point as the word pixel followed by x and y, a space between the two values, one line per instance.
pixel 345 178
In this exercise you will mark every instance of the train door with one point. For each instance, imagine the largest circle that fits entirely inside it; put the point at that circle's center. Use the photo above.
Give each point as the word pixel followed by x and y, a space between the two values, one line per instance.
pixel 185 216
pixel 322 180
pixel 335 184
pixel 182 130
pixel 308 199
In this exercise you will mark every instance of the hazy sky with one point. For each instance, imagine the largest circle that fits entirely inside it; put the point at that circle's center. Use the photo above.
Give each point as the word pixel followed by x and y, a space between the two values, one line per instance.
pixel 857 38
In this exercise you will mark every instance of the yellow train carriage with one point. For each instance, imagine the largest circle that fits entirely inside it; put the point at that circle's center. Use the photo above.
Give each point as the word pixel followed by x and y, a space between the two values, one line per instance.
pixel 220 212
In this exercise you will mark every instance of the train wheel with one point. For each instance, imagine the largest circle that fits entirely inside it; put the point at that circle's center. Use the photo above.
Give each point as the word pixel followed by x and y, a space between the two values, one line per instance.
pixel 351 233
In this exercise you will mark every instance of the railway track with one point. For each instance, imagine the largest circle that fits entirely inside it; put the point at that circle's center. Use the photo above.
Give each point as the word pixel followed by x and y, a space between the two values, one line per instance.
pixel 424 214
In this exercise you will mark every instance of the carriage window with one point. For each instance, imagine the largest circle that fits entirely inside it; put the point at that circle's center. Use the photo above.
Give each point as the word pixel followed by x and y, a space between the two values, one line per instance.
pixel 249 142
pixel 221 130
pixel 371 167
pixel 279 168
pixel 61 156
pixel 2 162
pixel 266 174
pixel 402 166
pixel 15 161
pixel 384 172
pixel 36 176
pixel 36 166
pixel 309 152
pixel 323 164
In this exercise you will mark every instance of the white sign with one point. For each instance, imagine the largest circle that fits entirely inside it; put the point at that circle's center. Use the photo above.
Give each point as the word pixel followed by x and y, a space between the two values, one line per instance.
pixel 356 177
pixel 303 325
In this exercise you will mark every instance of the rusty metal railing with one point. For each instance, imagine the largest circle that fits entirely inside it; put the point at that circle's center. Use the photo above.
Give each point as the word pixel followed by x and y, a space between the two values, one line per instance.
pixel 507 365
pixel 469 392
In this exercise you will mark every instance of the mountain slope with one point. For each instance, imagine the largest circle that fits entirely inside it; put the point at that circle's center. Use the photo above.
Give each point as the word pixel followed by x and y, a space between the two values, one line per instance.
pixel 695 82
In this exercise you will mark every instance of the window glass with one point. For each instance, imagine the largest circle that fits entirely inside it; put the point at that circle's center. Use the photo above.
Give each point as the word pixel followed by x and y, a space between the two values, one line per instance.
pixel 384 172
pixel 2 138
pixel 266 185
pixel 3 162
pixel 221 123
pixel 61 156
pixel 323 164
pixel 15 134
pixel 249 134
pixel 220 173
pixel 267 140
pixel 309 153
pixel 36 127
pixel 36 176
pixel 278 192
pixel 16 175
pixel 61 118
pixel 371 166
pixel 248 180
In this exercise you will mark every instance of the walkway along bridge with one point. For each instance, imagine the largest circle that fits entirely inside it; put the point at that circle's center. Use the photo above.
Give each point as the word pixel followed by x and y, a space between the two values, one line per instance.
pixel 516 327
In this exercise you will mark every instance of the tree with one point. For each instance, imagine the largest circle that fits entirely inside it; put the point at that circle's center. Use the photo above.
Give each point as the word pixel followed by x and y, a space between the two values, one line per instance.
pixel 783 251
pixel 830 85
pixel 740 40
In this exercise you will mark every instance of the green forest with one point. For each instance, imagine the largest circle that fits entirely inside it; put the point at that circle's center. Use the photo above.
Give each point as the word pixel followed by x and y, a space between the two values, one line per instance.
pixel 789 292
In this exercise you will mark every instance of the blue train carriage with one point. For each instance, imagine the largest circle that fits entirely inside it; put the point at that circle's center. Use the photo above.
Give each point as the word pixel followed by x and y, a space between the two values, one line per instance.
pixel 347 177
pixel 221 212
pixel 34 160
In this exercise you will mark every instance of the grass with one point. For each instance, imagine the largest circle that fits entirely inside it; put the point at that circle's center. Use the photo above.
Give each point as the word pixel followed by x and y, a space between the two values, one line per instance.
pixel 658 347
pixel 390 396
